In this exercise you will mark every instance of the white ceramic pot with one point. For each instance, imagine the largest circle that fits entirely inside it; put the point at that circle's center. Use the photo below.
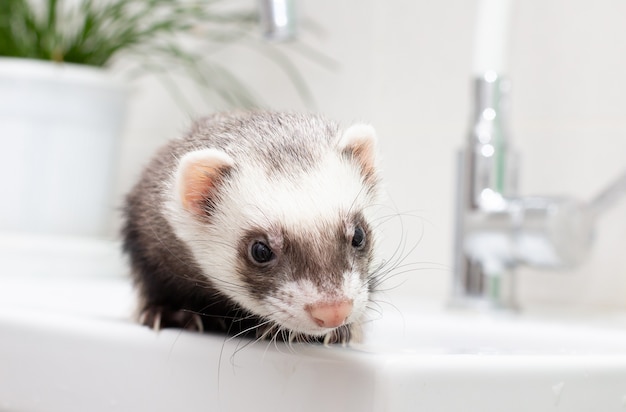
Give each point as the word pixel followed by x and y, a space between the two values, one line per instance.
pixel 59 129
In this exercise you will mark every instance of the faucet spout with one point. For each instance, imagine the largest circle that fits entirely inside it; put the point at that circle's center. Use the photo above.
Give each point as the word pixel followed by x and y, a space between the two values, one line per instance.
pixel 486 179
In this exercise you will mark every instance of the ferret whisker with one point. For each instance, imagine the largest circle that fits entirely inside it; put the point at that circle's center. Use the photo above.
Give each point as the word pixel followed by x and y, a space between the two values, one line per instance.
pixel 381 220
pixel 244 332
pixel 374 305
pixel 268 332
pixel 377 311
pixel 392 306
pixel 240 339
pixel 283 335
pixel 387 274
pixel 401 268
pixel 273 340
pixel 388 269
pixel 271 336
pixel 248 342
pixel 397 256
pixel 290 340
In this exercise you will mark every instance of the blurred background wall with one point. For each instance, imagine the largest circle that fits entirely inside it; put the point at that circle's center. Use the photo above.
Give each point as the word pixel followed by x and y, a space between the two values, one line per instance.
pixel 405 67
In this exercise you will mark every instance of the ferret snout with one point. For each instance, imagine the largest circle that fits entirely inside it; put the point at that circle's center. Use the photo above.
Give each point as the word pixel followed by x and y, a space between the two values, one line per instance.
pixel 330 315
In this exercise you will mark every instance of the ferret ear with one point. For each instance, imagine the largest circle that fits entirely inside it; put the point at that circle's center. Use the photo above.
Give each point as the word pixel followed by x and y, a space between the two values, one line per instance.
pixel 198 176
pixel 359 142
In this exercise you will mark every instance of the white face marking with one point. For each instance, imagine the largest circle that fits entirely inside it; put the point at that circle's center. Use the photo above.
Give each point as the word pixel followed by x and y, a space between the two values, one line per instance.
pixel 333 187
pixel 313 203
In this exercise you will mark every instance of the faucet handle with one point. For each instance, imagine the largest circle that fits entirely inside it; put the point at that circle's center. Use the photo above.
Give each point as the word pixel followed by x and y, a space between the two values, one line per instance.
pixel 609 196
pixel 552 231
pixel 557 232
pixel 537 231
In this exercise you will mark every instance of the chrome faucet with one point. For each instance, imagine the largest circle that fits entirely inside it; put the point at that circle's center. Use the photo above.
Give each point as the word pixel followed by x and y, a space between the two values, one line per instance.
pixel 278 19
pixel 498 230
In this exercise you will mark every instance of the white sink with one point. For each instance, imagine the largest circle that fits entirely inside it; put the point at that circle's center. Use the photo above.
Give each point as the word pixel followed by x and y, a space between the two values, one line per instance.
pixel 443 362
pixel 62 351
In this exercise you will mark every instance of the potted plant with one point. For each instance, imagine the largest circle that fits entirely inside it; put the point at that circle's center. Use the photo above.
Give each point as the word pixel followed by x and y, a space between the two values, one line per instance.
pixel 61 109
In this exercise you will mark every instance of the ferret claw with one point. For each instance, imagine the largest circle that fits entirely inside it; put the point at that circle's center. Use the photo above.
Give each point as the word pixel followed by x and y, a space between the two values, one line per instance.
pixel 156 326
pixel 198 322
pixel 157 318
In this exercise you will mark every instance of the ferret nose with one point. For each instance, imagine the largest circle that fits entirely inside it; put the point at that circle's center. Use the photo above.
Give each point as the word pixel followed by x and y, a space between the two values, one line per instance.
pixel 330 315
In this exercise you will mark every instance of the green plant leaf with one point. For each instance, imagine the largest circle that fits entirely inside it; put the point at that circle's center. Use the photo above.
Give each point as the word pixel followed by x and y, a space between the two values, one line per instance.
pixel 97 32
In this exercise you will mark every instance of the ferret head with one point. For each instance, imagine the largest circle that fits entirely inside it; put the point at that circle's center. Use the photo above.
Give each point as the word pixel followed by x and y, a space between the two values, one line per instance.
pixel 284 229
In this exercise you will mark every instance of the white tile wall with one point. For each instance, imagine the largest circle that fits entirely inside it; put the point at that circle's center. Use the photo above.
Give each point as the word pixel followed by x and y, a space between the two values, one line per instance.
pixel 568 64
pixel 405 67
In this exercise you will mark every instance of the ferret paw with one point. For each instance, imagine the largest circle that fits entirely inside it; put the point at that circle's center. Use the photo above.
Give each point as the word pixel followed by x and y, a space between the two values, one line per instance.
pixel 158 317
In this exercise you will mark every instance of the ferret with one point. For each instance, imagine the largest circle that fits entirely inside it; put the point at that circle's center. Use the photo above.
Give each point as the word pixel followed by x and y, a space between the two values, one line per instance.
pixel 257 224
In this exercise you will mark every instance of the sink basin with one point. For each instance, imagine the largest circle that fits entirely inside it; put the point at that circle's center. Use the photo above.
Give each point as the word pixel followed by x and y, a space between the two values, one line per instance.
pixel 437 362
pixel 66 345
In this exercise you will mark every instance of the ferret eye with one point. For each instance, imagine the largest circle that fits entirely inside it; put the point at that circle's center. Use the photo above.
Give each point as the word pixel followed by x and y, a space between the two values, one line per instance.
pixel 261 253
pixel 358 239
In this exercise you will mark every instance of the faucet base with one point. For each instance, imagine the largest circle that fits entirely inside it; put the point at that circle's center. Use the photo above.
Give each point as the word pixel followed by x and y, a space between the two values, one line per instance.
pixel 478 287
